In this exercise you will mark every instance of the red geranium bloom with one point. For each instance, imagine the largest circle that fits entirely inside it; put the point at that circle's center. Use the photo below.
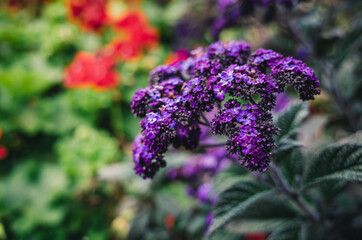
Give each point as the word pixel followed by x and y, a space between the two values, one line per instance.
pixel 91 70
pixel 177 56
pixel 137 35
pixel 125 50
pixel 3 152
pixel 255 236
pixel 89 14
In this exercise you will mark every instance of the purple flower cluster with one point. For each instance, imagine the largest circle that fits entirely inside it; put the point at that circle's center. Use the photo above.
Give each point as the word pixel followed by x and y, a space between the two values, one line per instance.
pixel 226 78
pixel 231 12
pixel 146 162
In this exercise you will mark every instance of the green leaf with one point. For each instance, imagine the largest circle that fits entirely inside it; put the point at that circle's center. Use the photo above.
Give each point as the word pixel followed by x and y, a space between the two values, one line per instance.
pixel 225 235
pixel 286 145
pixel 291 165
pixel 139 224
pixel 235 200
pixel 86 152
pixel 340 161
pixel 290 119
pixel 288 231
pixel 228 177
pixel 32 195
pixel 264 215
pixel 311 231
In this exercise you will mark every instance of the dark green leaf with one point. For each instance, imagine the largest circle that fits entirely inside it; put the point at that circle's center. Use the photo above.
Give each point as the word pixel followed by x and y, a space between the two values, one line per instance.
pixel 139 224
pixel 225 235
pixel 289 120
pixel 340 161
pixel 291 165
pixel 288 231
pixel 228 177
pixel 264 215
pixel 285 145
pixel 236 199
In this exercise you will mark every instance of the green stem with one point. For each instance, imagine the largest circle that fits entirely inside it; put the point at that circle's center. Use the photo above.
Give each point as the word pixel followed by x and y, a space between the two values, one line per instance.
pixel 291 194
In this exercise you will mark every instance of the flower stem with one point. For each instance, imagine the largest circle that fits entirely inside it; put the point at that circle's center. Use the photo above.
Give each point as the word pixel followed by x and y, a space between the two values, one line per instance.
pixel 291 194
pixel 205 118
pixel 205 124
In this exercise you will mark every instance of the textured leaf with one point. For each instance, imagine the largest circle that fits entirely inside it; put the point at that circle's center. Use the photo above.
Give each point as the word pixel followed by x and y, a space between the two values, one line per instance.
pixel 225 235
pixel 139 224
pixel 264 215
pixel 340 161
pixel 286 145
pixel 236 199
pixel 291 165
pixel 290 119
pixel 259 225
pixel 228 177
pixel 288 231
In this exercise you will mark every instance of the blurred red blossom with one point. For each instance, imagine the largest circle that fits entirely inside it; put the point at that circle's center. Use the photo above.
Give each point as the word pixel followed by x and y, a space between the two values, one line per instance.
pixel 177 56
pixel 136 35
pixel 255 236
pixel 90 15
pixel 3 150
pixel 92 71
pixel 169 221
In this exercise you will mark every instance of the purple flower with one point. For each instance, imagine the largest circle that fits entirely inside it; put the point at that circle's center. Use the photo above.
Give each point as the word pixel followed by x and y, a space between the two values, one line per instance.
pixel 204 192
pixel 282 102
pixel 178 98
pixel 245 117
pixel 146 163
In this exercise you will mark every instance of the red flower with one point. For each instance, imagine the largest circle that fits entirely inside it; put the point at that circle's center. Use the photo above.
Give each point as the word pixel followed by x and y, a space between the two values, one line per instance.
pixel 169 221
pixel 89 14
pixel 3 152
pixel 137 35
pixel 176 57
pixel 255 236
pixel 94 71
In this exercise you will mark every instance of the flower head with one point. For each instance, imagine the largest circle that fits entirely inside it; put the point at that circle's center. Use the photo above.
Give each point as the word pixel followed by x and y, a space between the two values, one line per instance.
pixel 91 71
pixel 178 97
pixel 90 15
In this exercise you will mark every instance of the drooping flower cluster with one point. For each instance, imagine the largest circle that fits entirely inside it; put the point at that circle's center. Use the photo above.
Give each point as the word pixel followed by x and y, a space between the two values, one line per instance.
pixel 231 12
pixel 91 71
pixel 241 86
